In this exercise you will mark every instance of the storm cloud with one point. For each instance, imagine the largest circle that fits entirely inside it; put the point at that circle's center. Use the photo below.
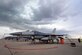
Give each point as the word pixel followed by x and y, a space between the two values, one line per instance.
pixel 43 15
pixel 12 13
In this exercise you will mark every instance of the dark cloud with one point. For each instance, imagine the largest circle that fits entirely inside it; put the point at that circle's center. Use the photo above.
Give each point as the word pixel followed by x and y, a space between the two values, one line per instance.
pixel 10 11
pixel 47 11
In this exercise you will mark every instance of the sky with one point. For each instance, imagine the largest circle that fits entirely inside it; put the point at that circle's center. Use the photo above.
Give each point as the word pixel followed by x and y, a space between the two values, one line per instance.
pixel 41 15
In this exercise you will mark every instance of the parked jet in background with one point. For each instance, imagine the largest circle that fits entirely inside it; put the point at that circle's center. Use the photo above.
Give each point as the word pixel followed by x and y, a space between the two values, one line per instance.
pixel 35 35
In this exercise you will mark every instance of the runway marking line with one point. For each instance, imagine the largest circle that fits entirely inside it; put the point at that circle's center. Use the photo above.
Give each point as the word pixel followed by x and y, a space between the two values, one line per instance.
pixel 14 48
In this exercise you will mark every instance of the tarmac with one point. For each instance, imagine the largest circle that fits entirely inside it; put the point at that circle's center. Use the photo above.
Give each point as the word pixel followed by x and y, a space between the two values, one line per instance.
pixel 24 48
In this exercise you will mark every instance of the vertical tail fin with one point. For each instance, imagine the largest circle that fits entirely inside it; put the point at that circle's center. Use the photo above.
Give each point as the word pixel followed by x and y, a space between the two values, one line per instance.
pixel 53 31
